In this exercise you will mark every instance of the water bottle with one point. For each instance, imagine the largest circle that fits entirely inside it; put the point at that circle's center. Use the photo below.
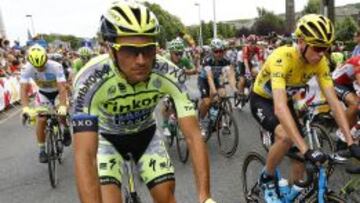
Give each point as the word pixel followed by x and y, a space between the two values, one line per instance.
pixel 213 113
pixel 284 187
pixel 294 192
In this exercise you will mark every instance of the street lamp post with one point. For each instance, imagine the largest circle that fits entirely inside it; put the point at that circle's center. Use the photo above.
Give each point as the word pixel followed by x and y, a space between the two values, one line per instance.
pixel 214 23
pixel 32 23
pixel 200 27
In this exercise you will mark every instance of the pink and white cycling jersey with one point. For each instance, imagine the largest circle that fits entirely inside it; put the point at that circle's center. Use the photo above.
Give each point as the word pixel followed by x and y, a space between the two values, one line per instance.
pixel 345 75
pixel 46 80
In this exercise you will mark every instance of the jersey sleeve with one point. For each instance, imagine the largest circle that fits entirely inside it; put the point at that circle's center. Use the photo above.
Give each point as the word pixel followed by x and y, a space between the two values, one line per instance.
pixel 86 99
pixel 172 85
pixel 60 75
pixel 278 70
pixel 25 74
pixel 324 75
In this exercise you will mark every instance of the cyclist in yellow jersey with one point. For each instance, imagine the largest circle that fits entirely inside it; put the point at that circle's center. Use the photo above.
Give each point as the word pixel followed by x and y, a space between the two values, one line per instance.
pixel 114 99
pixel 285 71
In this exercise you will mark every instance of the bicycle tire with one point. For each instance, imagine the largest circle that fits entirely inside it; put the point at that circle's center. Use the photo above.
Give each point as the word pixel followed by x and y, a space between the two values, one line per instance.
pixel 224 114
pixel 181 147
pixel 329 198
pixel 250 197
pixel 51 153
pixel 170 139
pixel 59 145
pixel 323 136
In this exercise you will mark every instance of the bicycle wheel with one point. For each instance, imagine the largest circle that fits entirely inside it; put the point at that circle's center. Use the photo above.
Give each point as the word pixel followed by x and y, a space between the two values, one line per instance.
pixel 253 165
pixel 52 158
pixel 227 133
pixel 181 146
pixel 329 198
pixel 170 139
pixel 326 143
pixel 59 144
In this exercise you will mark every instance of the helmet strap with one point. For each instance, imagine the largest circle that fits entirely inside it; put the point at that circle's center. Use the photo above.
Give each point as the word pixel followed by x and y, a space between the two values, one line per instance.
pixel 304 52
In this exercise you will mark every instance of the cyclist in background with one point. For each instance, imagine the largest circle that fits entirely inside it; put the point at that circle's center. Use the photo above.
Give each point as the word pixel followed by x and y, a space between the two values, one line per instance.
pixel 85 54
pixel 211 79
pixel 176 55
pixel 50 78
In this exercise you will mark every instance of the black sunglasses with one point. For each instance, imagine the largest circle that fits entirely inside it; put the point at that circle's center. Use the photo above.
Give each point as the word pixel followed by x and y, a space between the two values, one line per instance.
pixel 135 51
pixel 320 49
pixel 178 53
pixel 219 51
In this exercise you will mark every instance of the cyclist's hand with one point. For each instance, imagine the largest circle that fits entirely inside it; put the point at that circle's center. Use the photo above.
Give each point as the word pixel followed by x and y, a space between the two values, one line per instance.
pixel 355 151
pixel 209 200
pixel 315 156
pixel 28 115
pixel 62 110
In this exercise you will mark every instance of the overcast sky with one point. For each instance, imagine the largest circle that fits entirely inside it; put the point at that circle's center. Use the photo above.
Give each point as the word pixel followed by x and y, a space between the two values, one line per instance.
pixel 81 17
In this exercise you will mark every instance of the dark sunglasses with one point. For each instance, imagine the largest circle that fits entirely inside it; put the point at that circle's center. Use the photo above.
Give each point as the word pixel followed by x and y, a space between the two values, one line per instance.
pixel 320 49
pixel 219 51
pixel 178 53
pixel 148 49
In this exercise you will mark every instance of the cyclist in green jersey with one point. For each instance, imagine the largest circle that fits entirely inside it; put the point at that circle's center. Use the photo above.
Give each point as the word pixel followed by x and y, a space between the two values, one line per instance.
pixel 176 55
pixel 114 99
pixel 85 54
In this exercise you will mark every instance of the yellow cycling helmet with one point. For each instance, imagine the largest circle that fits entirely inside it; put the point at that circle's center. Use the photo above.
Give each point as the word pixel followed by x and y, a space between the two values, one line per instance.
pixel 128 18
pixel 37 56
pixel 316 30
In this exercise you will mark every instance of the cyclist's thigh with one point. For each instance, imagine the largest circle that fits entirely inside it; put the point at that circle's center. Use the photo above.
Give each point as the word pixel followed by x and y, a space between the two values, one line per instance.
pixel 262 110
pixel 109 164
pixel 154 165
pixel 343 90
pixel 164 192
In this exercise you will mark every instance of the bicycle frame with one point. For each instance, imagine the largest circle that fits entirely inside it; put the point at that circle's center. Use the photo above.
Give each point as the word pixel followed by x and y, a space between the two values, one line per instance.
pixel 131 194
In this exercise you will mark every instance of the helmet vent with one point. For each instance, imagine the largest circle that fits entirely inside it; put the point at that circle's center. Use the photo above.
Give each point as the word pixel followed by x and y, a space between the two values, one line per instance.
pixel 147 16
pixel 136 12
pixel 122 13
pixel 305 31
pixel 316 30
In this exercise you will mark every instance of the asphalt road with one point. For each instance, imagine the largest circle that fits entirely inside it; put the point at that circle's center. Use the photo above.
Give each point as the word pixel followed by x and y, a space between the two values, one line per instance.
pixel 23 179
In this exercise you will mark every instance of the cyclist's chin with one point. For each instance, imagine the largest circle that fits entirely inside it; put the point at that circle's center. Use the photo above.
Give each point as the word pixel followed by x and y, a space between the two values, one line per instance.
pixel 314 60
pixel 138 77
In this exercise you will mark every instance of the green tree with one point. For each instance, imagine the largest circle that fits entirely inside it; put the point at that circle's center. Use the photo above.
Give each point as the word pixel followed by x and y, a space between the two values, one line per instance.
pixel 345 29
pixel 268 22
pixel 170 25
pixel 313 6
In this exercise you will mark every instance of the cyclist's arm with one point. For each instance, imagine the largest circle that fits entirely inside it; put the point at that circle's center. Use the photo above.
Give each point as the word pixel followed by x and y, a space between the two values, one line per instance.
pixel 24 94
pixel 62 93
pixel 199 155
pixel 61 85
pixel 87 180
pixel 24 86
pixel 85 127
pixel 210 79
pixel 339 113
pixel 287 121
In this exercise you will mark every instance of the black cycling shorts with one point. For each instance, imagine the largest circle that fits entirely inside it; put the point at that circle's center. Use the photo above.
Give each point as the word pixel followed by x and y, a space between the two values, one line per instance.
pixel 343 90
